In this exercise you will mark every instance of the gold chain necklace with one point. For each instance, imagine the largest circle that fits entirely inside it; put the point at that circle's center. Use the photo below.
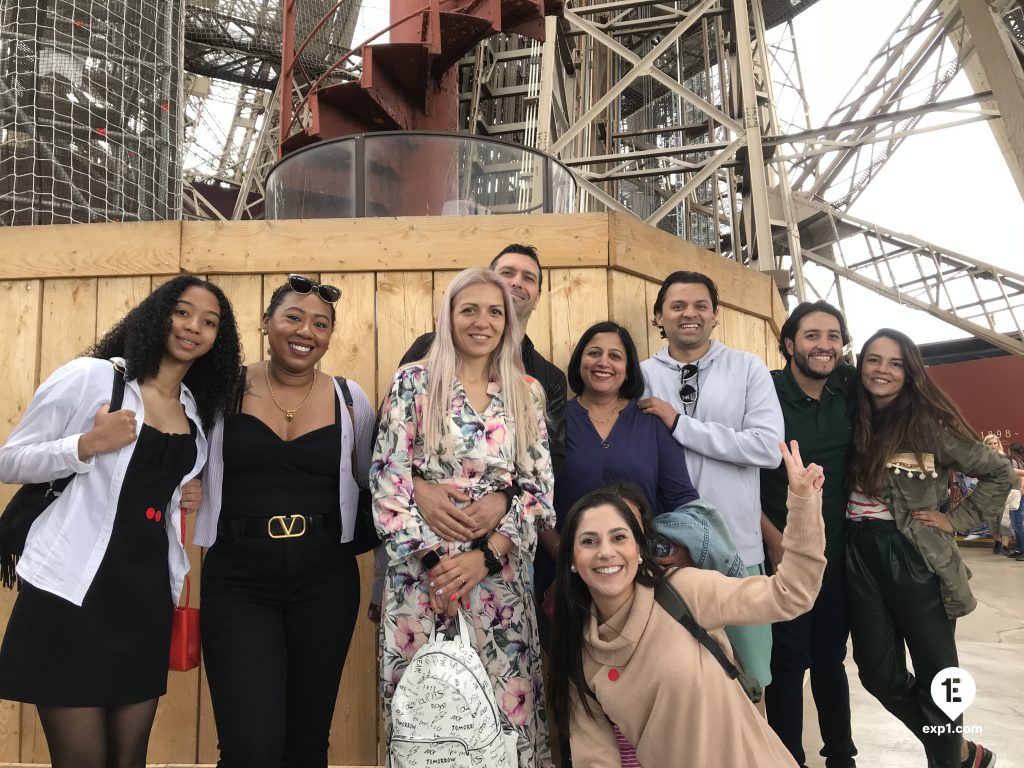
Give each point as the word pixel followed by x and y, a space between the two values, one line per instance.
pixel 288 414
pixel 611 416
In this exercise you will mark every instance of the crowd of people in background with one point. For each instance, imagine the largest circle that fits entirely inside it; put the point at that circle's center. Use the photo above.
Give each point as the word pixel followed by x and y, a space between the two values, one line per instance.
pixel 781 512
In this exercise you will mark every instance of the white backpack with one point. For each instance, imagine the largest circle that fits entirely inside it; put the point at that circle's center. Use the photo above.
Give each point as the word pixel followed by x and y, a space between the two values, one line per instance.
pixel 444 715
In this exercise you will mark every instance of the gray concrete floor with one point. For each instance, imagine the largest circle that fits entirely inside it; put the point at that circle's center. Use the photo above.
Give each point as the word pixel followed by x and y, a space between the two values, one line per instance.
pixel 990 642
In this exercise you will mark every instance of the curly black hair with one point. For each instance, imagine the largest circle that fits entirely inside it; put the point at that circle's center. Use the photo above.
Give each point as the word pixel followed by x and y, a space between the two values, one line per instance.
pixel 140 337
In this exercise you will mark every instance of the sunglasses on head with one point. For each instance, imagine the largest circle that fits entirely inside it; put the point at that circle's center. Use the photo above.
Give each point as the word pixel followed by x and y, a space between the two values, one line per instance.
pixel 302 284
pixel 688 392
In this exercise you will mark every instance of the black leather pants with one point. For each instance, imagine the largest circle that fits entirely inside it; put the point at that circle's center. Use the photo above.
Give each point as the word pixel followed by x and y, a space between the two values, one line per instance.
pixel 896 607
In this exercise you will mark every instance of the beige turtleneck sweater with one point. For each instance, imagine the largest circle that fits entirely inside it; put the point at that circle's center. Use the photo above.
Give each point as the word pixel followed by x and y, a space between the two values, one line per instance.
pixel 669 696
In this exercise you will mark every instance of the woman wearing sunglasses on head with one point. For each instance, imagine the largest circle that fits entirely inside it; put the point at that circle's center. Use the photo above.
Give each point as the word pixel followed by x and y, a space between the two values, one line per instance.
pixel 280 583
pixel 89 639
pixel 906 581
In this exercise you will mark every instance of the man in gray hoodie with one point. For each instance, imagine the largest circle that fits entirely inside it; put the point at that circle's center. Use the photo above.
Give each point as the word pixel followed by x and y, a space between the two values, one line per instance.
pixel 721 407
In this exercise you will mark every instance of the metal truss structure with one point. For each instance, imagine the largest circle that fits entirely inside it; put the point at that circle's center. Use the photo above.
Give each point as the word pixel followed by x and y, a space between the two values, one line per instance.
pixel 660 108
pixel 233 53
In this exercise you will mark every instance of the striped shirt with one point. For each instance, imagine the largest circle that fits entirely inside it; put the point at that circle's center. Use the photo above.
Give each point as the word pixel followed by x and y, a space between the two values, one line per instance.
pixel 627 754
pixel 861 507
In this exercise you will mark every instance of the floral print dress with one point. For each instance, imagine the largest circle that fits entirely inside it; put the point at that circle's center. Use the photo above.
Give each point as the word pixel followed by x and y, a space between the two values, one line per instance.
pixel 476 456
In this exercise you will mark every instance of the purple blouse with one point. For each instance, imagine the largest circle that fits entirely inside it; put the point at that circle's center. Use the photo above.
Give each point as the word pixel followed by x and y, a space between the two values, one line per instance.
pixel 639 449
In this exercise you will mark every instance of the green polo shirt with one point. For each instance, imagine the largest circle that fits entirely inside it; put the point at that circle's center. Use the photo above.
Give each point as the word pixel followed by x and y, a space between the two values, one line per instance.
pixel 824 430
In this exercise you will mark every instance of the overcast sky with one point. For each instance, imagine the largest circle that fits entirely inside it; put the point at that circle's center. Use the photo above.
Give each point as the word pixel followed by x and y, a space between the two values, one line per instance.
pixel 950 187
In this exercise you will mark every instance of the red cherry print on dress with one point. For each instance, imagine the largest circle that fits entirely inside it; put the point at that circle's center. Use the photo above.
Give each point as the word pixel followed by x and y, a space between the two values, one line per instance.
pixel 613 674
pixel 157 516
pixel 150 513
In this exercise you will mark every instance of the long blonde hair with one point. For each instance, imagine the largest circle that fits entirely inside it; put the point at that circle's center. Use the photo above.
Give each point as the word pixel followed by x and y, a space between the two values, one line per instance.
pixel 444 360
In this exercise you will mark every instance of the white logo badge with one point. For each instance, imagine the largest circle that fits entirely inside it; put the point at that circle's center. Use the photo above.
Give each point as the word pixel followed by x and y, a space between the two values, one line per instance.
pixel 953 691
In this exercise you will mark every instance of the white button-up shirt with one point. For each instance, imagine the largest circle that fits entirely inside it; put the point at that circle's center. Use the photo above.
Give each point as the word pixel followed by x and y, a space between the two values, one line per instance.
pixel 66 544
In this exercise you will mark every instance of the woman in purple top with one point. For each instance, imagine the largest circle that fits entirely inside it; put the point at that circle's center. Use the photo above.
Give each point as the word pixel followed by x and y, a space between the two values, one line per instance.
pixel 608 439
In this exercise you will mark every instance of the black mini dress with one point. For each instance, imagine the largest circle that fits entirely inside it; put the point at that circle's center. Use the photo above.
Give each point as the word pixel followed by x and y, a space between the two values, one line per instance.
pixel 114 648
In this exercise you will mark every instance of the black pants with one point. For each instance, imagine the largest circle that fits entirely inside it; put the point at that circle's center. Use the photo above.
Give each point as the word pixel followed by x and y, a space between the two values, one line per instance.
pixel 815 640
pixel 895 607
pixel 277 619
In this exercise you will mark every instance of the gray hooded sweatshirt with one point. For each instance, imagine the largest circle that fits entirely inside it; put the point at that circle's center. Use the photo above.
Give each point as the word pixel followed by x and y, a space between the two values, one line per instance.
pixel 731 434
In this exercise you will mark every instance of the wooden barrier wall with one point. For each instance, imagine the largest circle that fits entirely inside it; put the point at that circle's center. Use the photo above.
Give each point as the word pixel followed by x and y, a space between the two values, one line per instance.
pixel 62 287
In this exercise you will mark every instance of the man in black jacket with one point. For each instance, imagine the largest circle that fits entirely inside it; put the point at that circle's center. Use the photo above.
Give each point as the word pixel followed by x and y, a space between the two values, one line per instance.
pixel 520 267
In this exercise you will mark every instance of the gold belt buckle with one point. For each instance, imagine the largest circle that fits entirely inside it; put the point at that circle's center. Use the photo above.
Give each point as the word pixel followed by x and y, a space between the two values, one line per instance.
pixel 286 526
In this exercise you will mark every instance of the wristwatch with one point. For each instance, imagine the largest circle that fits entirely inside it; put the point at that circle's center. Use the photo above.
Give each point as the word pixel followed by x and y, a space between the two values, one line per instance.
pixel 431 559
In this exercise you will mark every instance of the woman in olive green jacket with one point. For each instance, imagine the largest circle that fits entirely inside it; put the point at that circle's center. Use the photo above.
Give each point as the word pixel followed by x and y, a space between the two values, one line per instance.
pixel 906 580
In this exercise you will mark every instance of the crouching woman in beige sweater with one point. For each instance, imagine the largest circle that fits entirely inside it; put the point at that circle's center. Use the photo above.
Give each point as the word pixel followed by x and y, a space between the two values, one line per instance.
pixel 621 660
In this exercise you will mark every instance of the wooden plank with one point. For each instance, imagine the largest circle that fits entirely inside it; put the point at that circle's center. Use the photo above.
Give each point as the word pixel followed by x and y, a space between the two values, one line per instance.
pixel 754 338
pixel 115 296
pixel 579 298
pixel 174 737
pixel 651 253
pixel 352 354
pixel 403 313
pixel 386 244
pixel 775 358
pixel 441 281
pixel 90 250
pixel 779 314
pixel 33 741
pixel 627 306
pixel 68 329
pixel 21 305
pixel 69 322
pixel 245 292
pixel 539 326
pixel 654 338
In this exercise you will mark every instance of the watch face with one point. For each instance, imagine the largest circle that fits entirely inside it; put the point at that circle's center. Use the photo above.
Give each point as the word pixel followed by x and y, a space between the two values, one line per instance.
pixel 430 559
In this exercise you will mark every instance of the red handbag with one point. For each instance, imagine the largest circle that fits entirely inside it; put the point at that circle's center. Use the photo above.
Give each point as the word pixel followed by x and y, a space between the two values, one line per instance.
pixel 185 643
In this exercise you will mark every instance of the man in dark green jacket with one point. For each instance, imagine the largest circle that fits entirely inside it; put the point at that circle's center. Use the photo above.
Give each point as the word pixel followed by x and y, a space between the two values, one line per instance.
pixel 815 392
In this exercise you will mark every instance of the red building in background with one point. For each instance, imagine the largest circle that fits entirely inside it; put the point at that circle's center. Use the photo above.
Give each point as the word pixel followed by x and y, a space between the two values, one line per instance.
pixel 987 384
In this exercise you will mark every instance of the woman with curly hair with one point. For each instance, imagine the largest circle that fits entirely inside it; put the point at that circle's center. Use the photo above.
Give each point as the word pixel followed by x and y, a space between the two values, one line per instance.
pixel 88 641
pixel 467 416
pixel 280 580
pixel 906 581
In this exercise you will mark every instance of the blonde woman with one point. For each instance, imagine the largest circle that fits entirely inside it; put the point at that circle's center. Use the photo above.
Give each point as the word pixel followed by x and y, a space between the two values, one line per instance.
pixel 1003 535
pixel 468 417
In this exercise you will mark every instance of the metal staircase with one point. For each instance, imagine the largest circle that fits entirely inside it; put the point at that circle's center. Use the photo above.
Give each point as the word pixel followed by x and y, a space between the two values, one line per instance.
pixel 410 83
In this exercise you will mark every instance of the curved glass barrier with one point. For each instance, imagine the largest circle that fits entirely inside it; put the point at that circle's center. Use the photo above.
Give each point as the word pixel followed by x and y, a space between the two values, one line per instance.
pixel 417 174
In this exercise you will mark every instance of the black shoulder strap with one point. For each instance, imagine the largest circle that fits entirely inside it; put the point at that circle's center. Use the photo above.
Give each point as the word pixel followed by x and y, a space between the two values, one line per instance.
pixel 676 607
pixel 674 604
pixel 117 389
pixel 347 394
